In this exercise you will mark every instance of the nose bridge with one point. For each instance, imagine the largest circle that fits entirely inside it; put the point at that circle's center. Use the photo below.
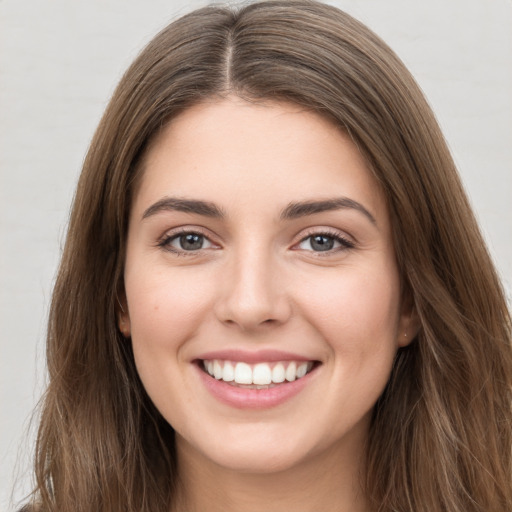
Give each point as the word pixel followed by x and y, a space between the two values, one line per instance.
pixel 253 293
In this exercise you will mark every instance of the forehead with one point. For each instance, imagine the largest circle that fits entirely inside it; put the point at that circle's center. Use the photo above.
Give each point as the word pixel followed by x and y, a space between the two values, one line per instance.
pixel 265 154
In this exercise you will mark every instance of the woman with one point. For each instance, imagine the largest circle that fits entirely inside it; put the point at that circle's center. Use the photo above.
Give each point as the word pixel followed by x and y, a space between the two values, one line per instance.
pixel 273 292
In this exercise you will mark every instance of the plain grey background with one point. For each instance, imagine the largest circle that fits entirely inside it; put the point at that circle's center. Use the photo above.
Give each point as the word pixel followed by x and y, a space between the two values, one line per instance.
pixel 59 63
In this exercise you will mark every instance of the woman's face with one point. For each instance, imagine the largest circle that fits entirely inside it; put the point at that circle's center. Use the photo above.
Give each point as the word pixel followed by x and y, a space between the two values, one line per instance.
pixel 262 292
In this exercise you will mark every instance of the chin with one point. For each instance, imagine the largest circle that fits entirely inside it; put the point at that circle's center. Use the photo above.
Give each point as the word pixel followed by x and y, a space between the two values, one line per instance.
pixel 247 450
pixel 260 462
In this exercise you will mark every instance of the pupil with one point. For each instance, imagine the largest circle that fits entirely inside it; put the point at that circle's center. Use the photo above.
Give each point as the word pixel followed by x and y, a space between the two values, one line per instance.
pixel 322 243
pixel 191 241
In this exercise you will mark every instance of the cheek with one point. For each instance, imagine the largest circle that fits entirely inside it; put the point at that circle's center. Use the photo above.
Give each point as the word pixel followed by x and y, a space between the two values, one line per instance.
pixel 165 308
pixel 357 312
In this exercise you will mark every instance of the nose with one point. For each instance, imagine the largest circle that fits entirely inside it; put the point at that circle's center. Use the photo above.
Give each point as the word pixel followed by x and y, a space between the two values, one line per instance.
pixel 253 293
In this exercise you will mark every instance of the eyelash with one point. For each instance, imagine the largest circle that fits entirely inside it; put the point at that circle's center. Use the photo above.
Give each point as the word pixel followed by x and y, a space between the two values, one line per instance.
pixel 165 242
pixel 344 243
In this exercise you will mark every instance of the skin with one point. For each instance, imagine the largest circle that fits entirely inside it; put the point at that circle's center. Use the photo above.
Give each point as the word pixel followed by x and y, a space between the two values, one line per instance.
pixel 257 283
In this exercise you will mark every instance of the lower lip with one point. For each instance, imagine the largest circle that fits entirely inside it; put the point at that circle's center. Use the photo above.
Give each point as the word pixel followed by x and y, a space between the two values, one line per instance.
pixel 246 398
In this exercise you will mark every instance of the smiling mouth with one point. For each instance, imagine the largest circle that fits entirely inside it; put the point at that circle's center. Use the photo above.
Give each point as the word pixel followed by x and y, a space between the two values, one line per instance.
pixel 256 376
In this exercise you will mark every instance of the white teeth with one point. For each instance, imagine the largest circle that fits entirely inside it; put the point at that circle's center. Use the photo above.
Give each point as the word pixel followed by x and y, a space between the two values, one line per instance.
pixel 302 370
pixel 291 372
pixel 217 370
pixel 243 373
pixel 278 373
pixel 229 372
pixel 260 375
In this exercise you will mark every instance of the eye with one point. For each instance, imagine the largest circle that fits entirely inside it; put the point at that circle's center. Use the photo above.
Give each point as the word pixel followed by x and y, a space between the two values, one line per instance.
pixel 323 242
pixel 189 241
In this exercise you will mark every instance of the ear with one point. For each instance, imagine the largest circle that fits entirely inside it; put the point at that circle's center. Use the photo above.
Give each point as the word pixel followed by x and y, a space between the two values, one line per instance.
pixel 123 315
pixel 409 323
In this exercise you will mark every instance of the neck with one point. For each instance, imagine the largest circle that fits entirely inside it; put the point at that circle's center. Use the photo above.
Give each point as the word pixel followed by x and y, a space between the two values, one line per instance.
pixel 328 482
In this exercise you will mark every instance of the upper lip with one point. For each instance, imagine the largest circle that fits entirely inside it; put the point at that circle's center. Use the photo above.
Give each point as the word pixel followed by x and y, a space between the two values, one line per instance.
pixel 258 356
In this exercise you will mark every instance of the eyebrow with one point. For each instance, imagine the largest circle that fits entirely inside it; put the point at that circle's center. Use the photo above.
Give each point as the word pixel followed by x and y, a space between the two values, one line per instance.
pixel 294 210
pixel 184 205
pixel 304 208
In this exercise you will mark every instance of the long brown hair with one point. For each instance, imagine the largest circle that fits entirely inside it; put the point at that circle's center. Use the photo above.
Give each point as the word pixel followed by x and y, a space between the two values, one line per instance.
pixel 441 435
